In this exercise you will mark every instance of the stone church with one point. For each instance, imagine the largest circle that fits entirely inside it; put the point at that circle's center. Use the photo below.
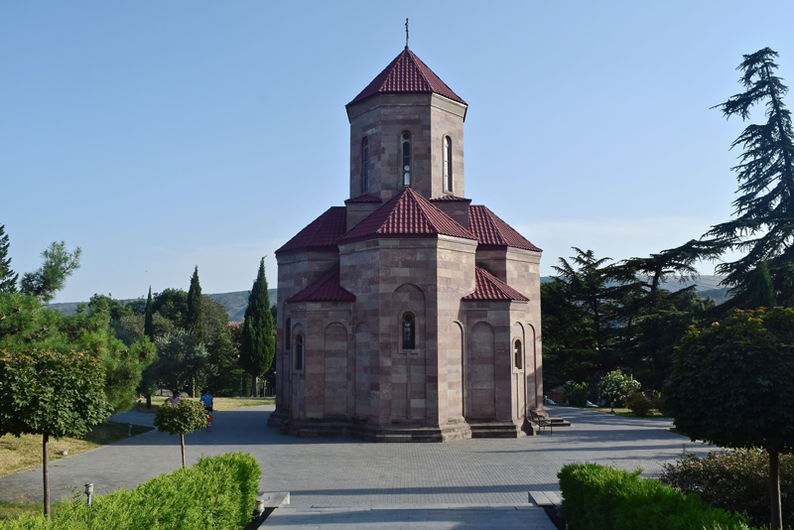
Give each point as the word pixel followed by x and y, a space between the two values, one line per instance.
pixel 408 314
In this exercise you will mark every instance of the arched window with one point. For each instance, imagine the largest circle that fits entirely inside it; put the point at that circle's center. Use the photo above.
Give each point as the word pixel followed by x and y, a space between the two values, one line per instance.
pixel 406 151
pixel 288 334
pixel 447 163
pixel 298 352
pixel 409 331
pixel 365 164
pixel 517 357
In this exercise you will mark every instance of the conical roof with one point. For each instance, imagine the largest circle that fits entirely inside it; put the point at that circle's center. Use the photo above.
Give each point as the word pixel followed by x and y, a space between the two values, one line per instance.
pixel 406 74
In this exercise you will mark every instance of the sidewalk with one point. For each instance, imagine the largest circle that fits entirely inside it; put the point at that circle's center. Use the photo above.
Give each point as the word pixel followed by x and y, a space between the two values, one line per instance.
pixel 344 472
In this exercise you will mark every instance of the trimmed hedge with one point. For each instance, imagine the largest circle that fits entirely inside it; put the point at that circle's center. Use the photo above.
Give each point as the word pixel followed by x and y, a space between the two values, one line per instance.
pixel 218 493
pixel 603 498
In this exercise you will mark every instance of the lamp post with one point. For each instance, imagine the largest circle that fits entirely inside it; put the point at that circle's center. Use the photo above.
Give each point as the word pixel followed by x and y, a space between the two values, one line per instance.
pixel 89 493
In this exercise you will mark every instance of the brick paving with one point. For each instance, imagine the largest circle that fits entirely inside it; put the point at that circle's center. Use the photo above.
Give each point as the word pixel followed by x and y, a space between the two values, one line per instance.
pixel 344 472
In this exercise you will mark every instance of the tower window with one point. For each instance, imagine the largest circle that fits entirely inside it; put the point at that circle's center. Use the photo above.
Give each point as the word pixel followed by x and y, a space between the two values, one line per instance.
pixel 406 151
pixel 447 164
pixel 298 352
pixel 409 331
pixel 517 355
pixel 365 164
pixel 288 334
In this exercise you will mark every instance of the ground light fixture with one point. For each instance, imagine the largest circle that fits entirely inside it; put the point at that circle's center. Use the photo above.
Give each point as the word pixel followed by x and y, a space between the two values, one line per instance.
pixel 89 493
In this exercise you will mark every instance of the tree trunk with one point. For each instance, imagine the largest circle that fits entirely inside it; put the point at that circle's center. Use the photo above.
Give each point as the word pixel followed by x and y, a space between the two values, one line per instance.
pixel 774 488
pixel 148 401
pixel 46 473
pixel 182 439
pixel 253 385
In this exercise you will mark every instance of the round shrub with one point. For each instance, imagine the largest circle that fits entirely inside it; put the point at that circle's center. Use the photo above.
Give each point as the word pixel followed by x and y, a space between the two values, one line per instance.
pixel 616 386
pixel 638 403
pixel 576 393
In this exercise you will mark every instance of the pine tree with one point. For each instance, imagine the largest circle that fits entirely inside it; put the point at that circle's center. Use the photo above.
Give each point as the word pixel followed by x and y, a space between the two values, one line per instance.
pixel 8 279
pixel 148 319
pixel 764 212
pixel 762 290
pixel 194 309
pixel 257 341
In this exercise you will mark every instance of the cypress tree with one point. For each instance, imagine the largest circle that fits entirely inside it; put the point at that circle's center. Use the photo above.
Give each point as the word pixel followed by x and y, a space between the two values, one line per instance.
pixel 762 291
pixel 194 309
pixel 8 279
pixel 148 319
pixel 257 340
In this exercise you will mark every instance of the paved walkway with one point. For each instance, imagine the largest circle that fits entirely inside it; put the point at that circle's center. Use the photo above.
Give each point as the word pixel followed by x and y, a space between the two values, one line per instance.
pixel 344 472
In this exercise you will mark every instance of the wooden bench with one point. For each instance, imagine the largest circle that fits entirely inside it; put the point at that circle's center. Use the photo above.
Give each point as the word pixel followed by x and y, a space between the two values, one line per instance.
pixel 542 422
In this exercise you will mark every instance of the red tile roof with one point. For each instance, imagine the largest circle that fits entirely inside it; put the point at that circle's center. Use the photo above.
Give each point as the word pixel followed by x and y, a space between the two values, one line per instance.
pixel 406 74
pixel 489 287
pixel 407 214
pixel 321 234
pixel 449 198
pixel 326 289
pixel 493 232
pixel 363 198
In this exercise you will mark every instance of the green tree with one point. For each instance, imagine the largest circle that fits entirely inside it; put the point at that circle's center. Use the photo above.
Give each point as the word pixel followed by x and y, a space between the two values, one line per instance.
pixel 50 278
pixel 8 278
pixel 52 394
pixel 615 387
pixel 732 385
pixel 258 342
pixel 181 363
pixel 186 417
pixel 148 321
pixel 222 353
pixel 763 226
pixel 172 305
pixel 195 316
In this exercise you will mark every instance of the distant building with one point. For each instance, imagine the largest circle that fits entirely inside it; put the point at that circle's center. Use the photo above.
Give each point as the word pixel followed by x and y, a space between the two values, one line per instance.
pixel 408 313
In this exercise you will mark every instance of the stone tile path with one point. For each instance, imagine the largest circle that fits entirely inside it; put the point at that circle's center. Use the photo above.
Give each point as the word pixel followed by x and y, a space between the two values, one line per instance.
pixel 344 472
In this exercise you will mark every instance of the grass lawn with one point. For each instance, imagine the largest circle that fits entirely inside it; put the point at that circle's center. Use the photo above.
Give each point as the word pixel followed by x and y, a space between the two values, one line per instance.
pixel 24 452
pixel 219 403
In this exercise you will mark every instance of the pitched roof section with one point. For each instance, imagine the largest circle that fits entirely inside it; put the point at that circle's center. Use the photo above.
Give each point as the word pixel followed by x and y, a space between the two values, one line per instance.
pixel 326 289
pixel 491 231
pixel 407 214
pixel 321 234
pixel 363 198
pixel 489 287
pixel 449 198
pixel 406 74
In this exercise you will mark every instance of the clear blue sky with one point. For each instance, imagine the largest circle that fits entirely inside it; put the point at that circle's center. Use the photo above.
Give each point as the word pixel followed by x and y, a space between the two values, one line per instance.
pixel 162 135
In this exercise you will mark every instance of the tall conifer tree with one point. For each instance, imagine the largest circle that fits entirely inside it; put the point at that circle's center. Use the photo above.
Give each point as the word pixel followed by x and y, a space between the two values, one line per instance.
pixel 764 212
pixel 8 279
pixel 194 310
pixel 148 319
pixel 257 341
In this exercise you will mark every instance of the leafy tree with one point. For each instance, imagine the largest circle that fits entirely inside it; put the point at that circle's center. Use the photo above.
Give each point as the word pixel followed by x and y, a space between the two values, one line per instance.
pixel 172 305
pixel 616 387
pixel 194 322
pixel 8 278
pixel 50 278
pixel 213 315
pixel 222 353
pixel 181 363
pixel 115 308
pixel 186 417
pixel 148 322
pixel 732 385
pixel 764 211
pixel 52 394
pixel 258 341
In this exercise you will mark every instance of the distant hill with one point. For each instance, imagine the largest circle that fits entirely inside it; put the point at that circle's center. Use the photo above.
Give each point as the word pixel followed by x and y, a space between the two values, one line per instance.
pixel 236 302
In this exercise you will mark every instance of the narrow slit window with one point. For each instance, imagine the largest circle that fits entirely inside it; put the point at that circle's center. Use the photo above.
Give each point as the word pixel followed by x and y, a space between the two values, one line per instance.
pixel 409 331
pixel 288 335
pixel 447 164
pixel 299 353
pixel 365 164
pixel 517 357
pixel 406 151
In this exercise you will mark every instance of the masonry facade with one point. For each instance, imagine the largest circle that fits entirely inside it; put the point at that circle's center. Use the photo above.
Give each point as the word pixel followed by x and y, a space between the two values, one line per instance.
pixel 408 314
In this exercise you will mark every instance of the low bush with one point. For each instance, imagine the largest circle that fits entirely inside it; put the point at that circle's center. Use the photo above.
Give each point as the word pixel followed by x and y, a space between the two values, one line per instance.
pixel 576 393
pixel 615 387
pixel 638 403
pixel 603 498
pixel 218 493
pixel 737 481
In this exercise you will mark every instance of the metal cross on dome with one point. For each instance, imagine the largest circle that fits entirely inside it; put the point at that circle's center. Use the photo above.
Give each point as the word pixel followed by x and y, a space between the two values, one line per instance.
pixel 406 33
